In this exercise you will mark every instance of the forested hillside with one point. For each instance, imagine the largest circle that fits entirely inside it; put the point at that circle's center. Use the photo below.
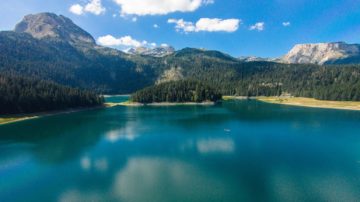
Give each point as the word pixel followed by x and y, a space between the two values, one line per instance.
pixel 73 62
pixel 331 82
pixel 177 91
pixel 24 95
pixel 58 61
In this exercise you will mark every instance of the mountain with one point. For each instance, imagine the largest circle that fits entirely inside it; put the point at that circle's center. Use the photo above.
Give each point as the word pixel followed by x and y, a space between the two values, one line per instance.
pixel 50 47
pixel 324 53
pixel 52 26
pixel 159 51
pixel 257 59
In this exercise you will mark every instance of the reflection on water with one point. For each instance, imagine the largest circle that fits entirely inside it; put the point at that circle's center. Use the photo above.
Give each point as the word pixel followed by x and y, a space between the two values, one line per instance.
pixel 124 133
pixel 236 151
pixel 219 145
pixel 160 179
pixel 87 163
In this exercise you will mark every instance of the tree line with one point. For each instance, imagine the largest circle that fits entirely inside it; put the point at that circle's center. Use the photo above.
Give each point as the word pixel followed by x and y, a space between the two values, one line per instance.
pixel 177 91
pixel 27 95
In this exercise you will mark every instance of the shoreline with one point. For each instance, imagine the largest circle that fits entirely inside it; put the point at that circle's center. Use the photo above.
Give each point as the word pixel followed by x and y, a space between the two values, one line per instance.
pixel 119 95
pixel 8 119
pixel 233 97
pixel 312 103
pixel 159 104
pixel 290 101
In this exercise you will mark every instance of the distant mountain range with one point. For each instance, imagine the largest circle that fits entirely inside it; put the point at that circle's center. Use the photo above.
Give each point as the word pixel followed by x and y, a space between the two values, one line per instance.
pixel 50 47
pixel 159 51
pixel 59 28
pixel 257 59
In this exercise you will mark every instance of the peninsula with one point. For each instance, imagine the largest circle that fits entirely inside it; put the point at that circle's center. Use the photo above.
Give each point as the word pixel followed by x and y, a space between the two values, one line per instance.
pixel 184 92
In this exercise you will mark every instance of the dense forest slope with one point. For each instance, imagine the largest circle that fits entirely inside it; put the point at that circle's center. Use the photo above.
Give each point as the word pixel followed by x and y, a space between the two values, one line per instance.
pixel 63 63
pixel 24 95
pixel 177 91
pixel 69 56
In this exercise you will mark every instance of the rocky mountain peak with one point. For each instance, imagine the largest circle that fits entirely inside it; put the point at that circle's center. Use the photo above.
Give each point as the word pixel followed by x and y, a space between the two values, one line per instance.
pixel 159 51
pixel 256 59
pixel 321 53
pixel 52 26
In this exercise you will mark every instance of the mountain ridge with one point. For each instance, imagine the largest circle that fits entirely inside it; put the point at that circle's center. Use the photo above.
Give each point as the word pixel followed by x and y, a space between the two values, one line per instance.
pixel 84 65
pixel 50 26
pixel 159 51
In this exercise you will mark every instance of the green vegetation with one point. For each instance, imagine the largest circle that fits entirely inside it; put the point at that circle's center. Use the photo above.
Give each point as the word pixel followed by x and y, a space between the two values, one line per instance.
pixel 109 71
pixel 98 69
pixel 25 95
pixel 177 91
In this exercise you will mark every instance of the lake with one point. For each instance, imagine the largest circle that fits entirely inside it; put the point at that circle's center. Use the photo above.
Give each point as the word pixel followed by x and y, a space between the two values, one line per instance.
pixel 233 151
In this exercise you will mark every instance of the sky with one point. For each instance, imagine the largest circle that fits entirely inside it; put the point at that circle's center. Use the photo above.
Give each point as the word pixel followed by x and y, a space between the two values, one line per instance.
pixel 264 28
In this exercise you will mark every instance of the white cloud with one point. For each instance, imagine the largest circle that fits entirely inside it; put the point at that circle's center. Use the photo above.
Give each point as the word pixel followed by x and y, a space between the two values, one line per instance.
pixel 124 43
pixel 216 25
pixel 159 7
pixel 206 25
pixel 286 24
pixel 156 26
pixel 128 41
pixel 259 26
pixel 134 19
pixel 76 9
pixel 94 6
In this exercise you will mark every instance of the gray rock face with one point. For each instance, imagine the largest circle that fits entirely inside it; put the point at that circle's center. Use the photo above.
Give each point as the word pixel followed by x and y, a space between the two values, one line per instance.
pixel 322 53
pixel 160 51
pixel 173 74
pixel 256 59
pixel 56 27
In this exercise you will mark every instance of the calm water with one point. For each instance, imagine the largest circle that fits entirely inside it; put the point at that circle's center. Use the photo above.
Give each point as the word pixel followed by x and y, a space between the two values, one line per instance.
pixel 235 151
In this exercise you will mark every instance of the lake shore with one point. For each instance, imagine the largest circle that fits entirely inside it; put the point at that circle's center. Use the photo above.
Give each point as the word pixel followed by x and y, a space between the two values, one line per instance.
pixel 8 119
pixel 232 97
pixel 311 102
pixel 117 95
pixel 160 104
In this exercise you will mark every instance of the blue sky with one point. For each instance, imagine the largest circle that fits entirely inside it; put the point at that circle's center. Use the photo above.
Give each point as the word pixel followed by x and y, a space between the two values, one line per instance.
pixel 237 27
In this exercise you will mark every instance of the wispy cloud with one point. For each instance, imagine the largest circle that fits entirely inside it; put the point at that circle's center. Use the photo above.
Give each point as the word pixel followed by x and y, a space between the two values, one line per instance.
pixel 159 7
pixel 259 26
pixel 206 25
pixel 286 24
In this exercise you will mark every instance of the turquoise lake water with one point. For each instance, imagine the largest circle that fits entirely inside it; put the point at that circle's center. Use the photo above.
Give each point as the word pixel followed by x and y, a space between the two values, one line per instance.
pixel 234 151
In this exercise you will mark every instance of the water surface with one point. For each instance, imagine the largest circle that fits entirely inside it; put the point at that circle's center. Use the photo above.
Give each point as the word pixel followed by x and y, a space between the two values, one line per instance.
pixel 234 151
